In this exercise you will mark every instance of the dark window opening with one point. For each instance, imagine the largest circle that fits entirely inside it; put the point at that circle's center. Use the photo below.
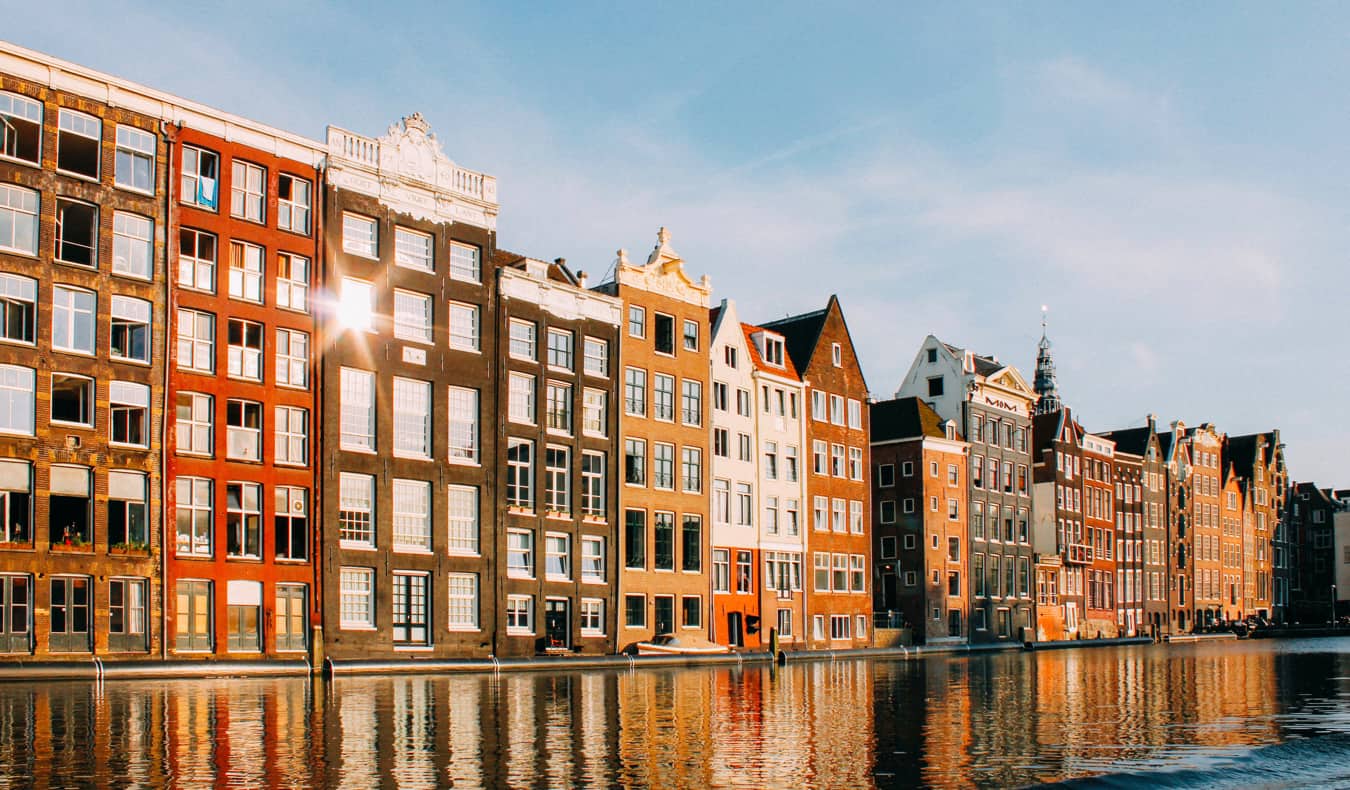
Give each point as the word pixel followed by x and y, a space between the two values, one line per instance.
pixel 77 144
pixel 932 355
pixel 664 527
pixel 692 548
pixel 935 387
pixel 665 334
pixel 126 524
pixel 20 128
pixel 665 614
pixel 635 534
pixel 76 232
pixel 69 522
pixel 72 399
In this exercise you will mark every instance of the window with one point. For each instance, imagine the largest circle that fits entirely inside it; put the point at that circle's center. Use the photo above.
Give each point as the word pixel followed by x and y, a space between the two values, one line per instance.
pixel 790 514
pixel 293 202
pixel 822 571
pixel 200 178
pixel 243 520
pixel 691 402
pixel 592 614
pixel 855 516
pixel 594 416
pixel 77 232
pixel 721 504
pixel 193 516
pixel 663 466
pixel 773 351
pixel 664 528
pixel 690 335
pixel 126 615
pixel 635 539
pixel 665 334
pixel 820 514
pixel 593 485
pixel 20 128
pixel 357 409
pixel 596 353
pixel 837 354
pixel 520 474
pixel 856 574
pixel 745 507
pixel 635 391
pixel 663 397
pixel 290 523
pixel 73 314
pixel 855 414
pixel 463 326
pixel 691 470
pixel 462 614
pixel 520 553
pixel 557 557
pixel 593 559
pixel 637 321
pixel 196 260
pixel 292 358
pixel 129 337
pixel 243 432
pixel 719 391
pixel 560 349
pixel 412 515
pixel 691 611
pixel 522 339
pixel 837 515
pixel 412 316
pixel 248 191
pixel 18 219
pixel 635 461
pixel 78 140
pixel 72 399
pixel 133 245
pixel 192 616
pixel 127 525
pixel 790 457
pixel 360 235
pixel 129 413
pixel 244 355
pixel 559 407
pixel 292 282
pixel 520 615
pixel 356 510
pixel 18 299
pixel 462 508
pixel 837 460
pixel 246 272
pixel 291 617
pixel 771 515
pixel 691 544
pixel 464 262
pixel 557 480
pixel 837 409
pixel 291 435
pixel 855 464
pixel 818 458
pixel 412 418
pixel 743 404
pixel 358 598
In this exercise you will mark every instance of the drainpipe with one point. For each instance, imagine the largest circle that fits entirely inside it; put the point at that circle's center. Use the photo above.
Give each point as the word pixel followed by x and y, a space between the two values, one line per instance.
pixel 170 215
pixel 317 648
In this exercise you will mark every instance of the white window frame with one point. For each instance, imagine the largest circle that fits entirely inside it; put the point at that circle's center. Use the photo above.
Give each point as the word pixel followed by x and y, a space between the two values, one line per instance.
pixel 411 516
pixel 133 245
pixel 463 527
pixel 357 609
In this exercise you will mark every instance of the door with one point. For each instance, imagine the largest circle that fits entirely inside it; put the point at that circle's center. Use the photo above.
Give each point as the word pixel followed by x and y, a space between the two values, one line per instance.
pixel 665 615
pixel 735 634
pixel 70 614
pixel 889 595
pixel 557 630
pixel 290 616
pixel 14 609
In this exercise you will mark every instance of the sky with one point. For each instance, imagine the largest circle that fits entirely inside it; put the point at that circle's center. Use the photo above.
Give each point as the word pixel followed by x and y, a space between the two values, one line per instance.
pixel 1168 179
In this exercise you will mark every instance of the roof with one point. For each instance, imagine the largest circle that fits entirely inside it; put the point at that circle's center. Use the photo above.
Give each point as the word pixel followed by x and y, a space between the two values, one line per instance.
pixel 557 271
pixel 789 370
pixel 1045 428
pixel 1129 440
pixel 905 418
pixel 800 334
pixel 1165 439
pixel 985 365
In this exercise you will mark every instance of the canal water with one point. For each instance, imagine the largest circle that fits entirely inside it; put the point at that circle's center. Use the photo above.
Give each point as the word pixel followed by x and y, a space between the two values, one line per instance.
pixel 1235 714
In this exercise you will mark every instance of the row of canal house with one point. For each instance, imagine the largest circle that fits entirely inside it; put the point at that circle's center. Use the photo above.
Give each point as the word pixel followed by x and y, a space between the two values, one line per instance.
pixel 998 516
pixel 266 396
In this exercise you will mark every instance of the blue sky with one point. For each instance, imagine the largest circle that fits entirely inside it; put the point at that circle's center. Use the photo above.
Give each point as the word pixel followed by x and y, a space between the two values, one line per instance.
pixel 1169 179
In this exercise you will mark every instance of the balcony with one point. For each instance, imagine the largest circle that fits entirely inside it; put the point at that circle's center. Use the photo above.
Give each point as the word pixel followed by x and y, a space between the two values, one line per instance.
pixel 1078 554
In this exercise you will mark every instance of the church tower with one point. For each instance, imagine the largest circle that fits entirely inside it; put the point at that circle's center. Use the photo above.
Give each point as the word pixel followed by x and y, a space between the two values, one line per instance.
pixel 1046 386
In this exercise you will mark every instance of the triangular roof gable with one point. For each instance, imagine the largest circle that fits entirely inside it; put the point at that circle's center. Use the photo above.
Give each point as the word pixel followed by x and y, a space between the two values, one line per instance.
pixel 1009 377
pixel 834 311
pixel 800 333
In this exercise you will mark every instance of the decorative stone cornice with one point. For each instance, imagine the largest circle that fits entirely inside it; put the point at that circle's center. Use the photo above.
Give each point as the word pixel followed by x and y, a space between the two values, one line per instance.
pixel 663 274
pixel 406 170
pixel 564 301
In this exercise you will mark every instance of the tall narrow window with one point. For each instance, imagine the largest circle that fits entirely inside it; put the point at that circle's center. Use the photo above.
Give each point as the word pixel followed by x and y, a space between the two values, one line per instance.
pixel 523 343
pixel 127 510
pixel 77 232
pixel 192 618
pixel 410 619
pixel 243 430
pixel 126 615
pixel 292 358
pixel 193 516
pixel 560 349
pixel 412 515
pixel 635 391
pixel 358 409
pixel 691 470
pixel 129 413
pixel 520 474
pixel 135 159
pixel 292 282
pixel 245 352
pixel 664 527
pixel 462 614
pixel 199 181
pixel 462 507
pixel 293 203
pixel 243 519
pixel 597 357
pixel 248 191
pixel 129 339
pixel 133 245
pixel 16 502
pixel 246 272
pixel 412 316
pixel 691 544
pixel 595 419
pixel 691 402
pixel 291 523
pixel 464 264
pixel 356 510
pixel 463 326
pixel 18 300
pixel 635 461
pixel 196 260
pixel 557 480
pixel 462 416
pixel 292 435
pixel 560 407
pixel 593 484
pixel 357 598
pixel 412 418
pixel 73 312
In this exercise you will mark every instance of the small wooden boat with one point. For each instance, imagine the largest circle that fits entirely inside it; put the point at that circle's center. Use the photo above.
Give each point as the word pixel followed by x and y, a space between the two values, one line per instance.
pixel 670 645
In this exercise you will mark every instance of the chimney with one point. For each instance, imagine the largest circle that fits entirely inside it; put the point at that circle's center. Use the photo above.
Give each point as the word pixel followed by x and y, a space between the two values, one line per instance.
pixel 581 280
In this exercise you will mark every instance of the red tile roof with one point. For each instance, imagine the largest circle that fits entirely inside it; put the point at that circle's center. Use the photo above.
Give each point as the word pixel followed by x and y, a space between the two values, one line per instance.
pixel 787 371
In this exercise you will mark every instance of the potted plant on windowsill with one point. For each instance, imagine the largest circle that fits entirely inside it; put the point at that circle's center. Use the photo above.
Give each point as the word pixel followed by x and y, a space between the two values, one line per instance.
pixel 71 542
pixel 129 547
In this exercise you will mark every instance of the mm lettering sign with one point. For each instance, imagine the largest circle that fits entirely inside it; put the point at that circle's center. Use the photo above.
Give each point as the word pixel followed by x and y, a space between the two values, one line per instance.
pixel 1002 403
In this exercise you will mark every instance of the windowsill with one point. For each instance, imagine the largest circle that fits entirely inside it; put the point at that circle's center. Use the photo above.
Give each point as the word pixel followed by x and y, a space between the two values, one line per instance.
pixel 421 341
pixel 72 351
pixel 129 361
pixel 68 425
pixel 236 459
pixel 521 576
pixel 297 310
pixel 8 341
pixel 291 464
pixel 411 457
pixel 412 550
pixel 563 579
pixel 291 560
pixel 512 632
pixel 584 580
pixel 249 558
pixel 464 629
pixel 95 179
pixel 198 371
pixel 16 545
pixel 413 648
pixel 145 278
pixel 362 450
pixel 465 350
pixel 457 461
pixel 242 218
pixel 244 379
pixel 356 546
pixel 305 233
pixel 356 627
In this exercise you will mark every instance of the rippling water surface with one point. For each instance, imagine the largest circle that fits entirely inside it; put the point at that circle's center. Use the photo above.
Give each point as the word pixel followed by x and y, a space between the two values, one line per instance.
pixel 1235 714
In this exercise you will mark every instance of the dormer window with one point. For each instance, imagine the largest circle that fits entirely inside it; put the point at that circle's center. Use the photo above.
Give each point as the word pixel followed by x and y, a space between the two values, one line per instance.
pixel 773 351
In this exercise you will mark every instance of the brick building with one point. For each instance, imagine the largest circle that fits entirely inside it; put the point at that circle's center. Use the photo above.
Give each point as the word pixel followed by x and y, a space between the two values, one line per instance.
pixel 920 542
pixel 83 169
pixel 1151 508
pixel 838 599
pixel 411 540
pixel 239 569
pixel 664 428
pixel 1131 511
pixel 556 467
pixel 1258 462
pixel 1099 533
pixel 1057 472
